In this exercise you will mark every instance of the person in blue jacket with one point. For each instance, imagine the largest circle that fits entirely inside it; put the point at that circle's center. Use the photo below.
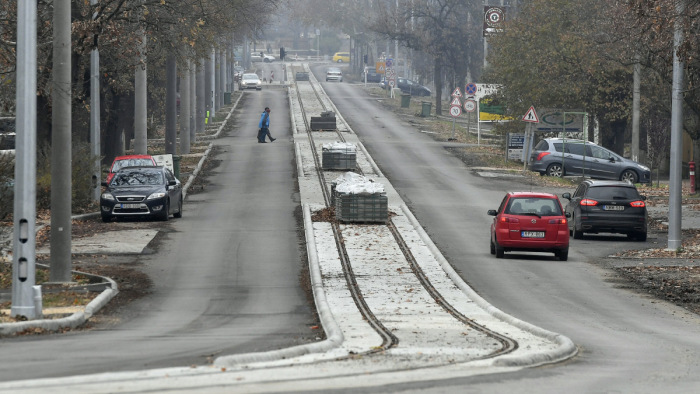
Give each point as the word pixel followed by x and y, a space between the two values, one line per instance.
pixel 264 126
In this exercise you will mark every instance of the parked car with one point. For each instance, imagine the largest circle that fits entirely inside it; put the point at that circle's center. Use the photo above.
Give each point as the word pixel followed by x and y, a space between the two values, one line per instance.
pixel 609 207
pixel 341 57
pixel 238 73
pixel 559 157
pixel 120 162
pixel 250 81
pixel 373 76
pixel 142 191
pixel 261 57
pixel 412 87
pixel 334 74
pixel 533 222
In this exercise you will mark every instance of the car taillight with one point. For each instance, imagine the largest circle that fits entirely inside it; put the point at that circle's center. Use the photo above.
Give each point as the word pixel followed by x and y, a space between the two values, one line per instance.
pixel 589 202
pixel 541 155
pixel 557 221
pixel 506 219
pixel 638 204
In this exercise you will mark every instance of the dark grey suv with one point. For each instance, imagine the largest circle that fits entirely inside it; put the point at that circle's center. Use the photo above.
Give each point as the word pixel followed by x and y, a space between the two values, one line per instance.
pixel 559 157
pixel 607 207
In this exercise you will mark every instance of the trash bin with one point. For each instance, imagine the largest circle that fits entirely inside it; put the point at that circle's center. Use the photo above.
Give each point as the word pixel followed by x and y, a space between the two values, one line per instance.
pixel 405 100
pixel 176 165
pixel 227 97
pixel 425 110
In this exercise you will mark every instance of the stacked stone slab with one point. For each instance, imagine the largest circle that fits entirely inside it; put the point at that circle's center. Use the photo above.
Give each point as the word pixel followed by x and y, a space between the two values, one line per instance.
pixel 324 122
pixel 358 199
pixel 338 156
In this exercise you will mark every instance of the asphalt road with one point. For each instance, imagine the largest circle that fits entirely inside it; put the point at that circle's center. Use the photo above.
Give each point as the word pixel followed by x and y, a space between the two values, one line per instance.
pixel 628 343
pixel 226 276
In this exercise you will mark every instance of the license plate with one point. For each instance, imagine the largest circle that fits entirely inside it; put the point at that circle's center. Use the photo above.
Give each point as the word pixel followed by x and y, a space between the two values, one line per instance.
pixel 131 206
pixel 613 207
pixel 532 234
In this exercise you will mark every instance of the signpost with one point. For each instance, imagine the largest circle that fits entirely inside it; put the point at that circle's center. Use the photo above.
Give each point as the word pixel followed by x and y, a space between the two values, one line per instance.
pixel 531 118
pixel 455 111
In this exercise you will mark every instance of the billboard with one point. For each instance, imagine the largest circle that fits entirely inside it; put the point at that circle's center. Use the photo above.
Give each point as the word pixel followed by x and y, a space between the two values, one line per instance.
pixel 557 120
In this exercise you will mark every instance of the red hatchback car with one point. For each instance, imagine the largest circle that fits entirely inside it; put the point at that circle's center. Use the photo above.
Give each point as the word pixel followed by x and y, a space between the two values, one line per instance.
pixel 129 161
pixel 533 222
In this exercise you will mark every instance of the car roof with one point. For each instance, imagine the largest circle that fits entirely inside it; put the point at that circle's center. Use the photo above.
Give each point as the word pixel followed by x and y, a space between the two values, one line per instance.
pixel 597 183
pixel 532 195
pixel 127 157
pixel 569 140
pixel 144 168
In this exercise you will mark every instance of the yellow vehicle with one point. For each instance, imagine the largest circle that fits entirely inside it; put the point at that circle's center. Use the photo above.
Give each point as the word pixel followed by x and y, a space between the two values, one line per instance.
pixel 341 57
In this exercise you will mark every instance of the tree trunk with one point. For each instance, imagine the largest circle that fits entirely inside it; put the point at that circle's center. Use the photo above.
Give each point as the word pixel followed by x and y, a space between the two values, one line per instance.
pixel 438 86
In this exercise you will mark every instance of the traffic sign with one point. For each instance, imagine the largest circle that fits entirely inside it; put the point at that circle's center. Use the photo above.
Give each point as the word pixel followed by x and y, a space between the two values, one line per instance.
pixel 455 111
pixel 531 116
pixel 456 102
pixel 470 105
pixel 392 83
pixel 470 89
pixel 457 93
pixel 389 63
pixel 379 67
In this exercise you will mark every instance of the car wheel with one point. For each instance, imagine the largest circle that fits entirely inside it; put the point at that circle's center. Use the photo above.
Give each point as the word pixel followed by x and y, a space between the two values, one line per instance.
pixel 562 254
pixel 493 247
pixel 556 170
pixel 165 213
pixel 500 252
pixel 339 61
pixel 106 218
pixel 640 236
pixel 178 214
pixel 578 234
pixel 629 175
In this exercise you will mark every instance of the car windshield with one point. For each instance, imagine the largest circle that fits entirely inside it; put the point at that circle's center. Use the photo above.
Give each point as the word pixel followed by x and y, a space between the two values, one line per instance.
pixel 612 193
pixel 131 163
pixel 533 206
pixel 138 178
pixel 250 76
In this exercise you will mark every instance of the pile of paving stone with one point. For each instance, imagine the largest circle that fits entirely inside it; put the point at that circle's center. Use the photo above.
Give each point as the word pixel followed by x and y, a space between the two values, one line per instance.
pixel 358 199
pixel 339 156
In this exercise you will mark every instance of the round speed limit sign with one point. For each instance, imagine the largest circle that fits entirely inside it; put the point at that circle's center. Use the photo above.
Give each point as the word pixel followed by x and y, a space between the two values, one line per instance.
pixel 455 111
pixel 470 105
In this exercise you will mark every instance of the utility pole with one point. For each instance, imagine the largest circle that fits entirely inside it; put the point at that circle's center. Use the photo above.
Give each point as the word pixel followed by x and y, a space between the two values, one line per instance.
pixel 636 95
pixel 185 110
pixel 61 151
pixel 95 113
pixel 140 102
pixel 24 217
pixel 675 236
pixel 193 100
pixel 201 93
pixel 170 104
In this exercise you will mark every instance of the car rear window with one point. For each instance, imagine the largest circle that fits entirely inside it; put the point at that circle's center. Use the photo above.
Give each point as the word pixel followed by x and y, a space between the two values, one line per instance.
pixel 542 146
pixel 131 163
pixel 534 205
pixel 613 193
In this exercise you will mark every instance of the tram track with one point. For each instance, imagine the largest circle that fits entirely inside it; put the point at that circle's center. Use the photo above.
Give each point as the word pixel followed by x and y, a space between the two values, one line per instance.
pixel 389 340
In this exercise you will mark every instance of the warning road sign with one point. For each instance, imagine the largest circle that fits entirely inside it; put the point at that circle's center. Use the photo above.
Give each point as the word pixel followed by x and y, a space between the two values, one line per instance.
pixel 457 93
pixel 531 116
pixel 456 102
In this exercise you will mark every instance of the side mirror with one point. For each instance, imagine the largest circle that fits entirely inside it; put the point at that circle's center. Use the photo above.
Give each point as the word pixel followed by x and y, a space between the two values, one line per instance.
pixel 567 196
pixel 567 214
pixel 492 212
pixel 172 182
pixel 644 198
pixel 104 183
pixel 611 159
